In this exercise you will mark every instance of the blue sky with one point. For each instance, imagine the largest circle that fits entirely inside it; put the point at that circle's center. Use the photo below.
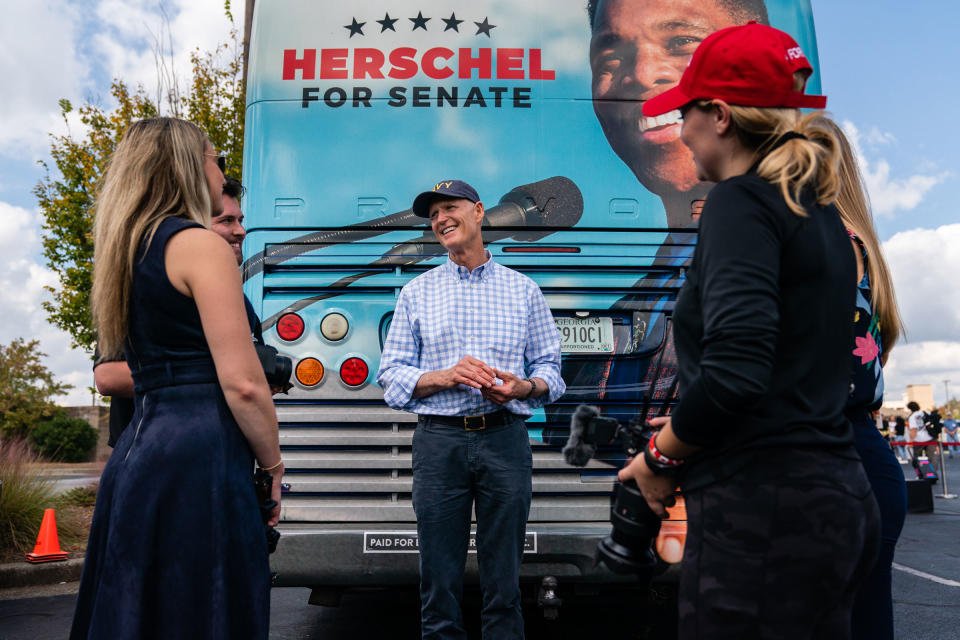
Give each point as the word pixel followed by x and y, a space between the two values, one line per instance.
pixel 888 70
pixel 892 68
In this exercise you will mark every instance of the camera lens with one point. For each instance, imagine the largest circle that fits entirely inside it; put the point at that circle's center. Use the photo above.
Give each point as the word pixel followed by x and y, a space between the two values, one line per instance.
pixel 284 368
pixel 628 548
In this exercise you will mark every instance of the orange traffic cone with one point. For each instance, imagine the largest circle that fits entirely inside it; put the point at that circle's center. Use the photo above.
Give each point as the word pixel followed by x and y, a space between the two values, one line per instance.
pixel 47 548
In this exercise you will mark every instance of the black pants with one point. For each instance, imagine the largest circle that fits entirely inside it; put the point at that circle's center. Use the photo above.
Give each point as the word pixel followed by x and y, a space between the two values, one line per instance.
pixel 455 471
pixel 778 550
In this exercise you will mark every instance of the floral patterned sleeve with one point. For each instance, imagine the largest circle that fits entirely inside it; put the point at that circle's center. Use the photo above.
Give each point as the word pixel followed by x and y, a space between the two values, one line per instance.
pixel 866 384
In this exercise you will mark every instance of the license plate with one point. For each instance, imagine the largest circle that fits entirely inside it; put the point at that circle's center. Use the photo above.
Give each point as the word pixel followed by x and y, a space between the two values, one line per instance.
pixel 585 335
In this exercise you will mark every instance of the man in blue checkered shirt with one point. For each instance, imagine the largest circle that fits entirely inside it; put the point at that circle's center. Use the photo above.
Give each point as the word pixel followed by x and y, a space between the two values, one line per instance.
pixel 472 349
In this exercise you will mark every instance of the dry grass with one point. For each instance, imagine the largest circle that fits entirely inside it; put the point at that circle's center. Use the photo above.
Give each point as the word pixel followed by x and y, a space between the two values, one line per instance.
pixel 24 496
pixel 74 515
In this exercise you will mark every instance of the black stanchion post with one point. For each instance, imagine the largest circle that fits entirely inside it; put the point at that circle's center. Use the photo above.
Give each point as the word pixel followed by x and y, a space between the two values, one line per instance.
pixel 943 472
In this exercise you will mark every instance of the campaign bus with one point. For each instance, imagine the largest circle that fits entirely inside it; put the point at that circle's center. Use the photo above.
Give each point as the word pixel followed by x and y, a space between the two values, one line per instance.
pixel 352 110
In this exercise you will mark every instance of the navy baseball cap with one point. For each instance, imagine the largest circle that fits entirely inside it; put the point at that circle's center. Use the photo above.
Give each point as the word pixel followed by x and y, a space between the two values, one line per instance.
pixel 446 189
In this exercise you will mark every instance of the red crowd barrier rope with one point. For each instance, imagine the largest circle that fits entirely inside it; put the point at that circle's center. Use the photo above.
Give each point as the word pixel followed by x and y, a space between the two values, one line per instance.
pixel 909 443
pixel 923 444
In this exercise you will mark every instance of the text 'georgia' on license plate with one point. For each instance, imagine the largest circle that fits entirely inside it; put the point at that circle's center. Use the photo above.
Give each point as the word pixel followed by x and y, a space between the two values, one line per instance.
pixel 585 335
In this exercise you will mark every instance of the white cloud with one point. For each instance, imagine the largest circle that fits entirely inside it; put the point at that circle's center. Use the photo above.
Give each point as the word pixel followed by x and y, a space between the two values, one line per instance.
pixel 22 282
pixel 54 50
pixel 134 36
pixel 876 137
pixel 887 194
pixel 39 65
pixel 923 265
pixel 923 363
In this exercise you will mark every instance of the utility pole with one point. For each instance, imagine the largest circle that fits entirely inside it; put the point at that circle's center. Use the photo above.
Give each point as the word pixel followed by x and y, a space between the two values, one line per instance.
pixel 946 391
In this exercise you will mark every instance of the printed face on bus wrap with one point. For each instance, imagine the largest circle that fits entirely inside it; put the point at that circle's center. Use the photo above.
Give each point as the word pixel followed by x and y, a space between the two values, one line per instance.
pixel 640 49
pixel 457 224
pixel 229 226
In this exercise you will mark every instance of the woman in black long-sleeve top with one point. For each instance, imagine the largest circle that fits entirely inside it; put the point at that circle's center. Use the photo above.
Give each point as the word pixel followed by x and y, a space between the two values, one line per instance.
pixel 782 522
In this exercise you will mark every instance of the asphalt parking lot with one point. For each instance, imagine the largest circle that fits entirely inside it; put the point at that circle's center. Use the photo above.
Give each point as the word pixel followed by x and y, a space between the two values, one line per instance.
pixel 926 591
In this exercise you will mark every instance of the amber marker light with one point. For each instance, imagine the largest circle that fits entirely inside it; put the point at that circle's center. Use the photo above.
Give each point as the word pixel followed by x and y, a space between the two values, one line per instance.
pixel 354 371
pixel 309 372
pixel 334 326
pixel 290 327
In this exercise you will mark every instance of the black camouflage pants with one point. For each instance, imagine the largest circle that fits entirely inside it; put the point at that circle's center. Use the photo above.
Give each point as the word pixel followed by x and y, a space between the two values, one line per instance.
pixel 778 550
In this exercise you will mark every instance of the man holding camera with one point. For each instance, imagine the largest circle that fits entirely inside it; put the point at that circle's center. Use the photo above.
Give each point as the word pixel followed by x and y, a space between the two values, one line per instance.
pixel 472 349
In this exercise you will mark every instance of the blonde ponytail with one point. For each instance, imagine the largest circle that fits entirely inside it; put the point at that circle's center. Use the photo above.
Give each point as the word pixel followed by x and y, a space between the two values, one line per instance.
pixel 808 161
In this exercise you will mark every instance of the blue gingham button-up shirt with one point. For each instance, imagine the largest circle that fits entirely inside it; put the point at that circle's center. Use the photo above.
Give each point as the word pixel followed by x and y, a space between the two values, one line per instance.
pixel 492 313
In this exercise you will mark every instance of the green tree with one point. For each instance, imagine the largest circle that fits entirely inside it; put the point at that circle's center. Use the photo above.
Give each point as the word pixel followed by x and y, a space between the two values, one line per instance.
pixel 27 388
pixel 215 101
pixel 67 200
pixel 64 438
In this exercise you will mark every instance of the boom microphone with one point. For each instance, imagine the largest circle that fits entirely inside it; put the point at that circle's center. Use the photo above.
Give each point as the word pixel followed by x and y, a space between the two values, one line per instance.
pixel 577 452
pixel 554 203
pixel 328 237
pixel 589 429
pixel 551 204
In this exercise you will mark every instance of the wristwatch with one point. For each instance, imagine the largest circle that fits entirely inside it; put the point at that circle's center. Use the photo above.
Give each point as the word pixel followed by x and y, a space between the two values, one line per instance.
pixel 533 387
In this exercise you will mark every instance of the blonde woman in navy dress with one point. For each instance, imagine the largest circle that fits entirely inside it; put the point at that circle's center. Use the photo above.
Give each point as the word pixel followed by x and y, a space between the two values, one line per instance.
pixel 877 326
pixel 177 547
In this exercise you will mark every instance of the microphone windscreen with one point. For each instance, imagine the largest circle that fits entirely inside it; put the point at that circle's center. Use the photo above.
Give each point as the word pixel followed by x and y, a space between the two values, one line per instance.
pixel 577 452
pixel 557 199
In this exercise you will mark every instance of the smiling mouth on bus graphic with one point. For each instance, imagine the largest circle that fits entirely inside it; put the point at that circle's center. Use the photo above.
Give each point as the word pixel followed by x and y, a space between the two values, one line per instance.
pixel 526 213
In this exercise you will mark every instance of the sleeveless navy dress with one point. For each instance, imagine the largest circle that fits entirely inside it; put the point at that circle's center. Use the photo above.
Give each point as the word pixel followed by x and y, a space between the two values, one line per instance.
pixel 177 547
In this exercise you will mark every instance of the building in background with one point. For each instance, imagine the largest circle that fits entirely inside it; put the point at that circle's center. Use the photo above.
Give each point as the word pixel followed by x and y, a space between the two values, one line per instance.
pixel 922 394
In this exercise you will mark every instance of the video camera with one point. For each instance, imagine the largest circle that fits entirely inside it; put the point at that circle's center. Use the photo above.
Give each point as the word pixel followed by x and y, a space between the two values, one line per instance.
pixel 629 547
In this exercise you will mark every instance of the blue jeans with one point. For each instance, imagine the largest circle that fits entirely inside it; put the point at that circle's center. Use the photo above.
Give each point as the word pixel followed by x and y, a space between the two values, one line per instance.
pixel 452 469
pixel 873 607
pixel 950 437
pixel 900 449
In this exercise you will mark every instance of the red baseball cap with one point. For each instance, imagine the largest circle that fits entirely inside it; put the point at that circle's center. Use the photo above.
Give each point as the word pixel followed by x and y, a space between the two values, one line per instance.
pixel 751 65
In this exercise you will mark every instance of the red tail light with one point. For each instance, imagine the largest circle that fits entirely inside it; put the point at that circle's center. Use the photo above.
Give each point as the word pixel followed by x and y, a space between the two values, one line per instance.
pixel 354 372
pixel 290 327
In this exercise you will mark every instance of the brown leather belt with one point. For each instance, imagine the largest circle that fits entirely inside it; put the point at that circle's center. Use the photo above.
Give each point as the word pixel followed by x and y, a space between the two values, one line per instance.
pixel 473 423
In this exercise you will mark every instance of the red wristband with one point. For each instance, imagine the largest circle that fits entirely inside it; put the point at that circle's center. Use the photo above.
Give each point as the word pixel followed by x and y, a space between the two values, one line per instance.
pixel 658 456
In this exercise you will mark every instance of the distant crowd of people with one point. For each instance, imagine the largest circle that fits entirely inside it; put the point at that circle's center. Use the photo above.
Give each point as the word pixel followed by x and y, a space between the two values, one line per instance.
pixel 917 434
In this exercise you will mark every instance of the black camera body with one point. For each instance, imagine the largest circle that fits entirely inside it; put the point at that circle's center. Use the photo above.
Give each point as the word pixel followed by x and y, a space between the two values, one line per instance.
pixel 263 485
pixel 276 367
pixel 629 547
